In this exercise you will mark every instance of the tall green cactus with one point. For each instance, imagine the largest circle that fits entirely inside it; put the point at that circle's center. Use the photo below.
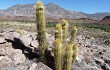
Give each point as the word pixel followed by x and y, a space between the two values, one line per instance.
pixel 74 30
pixel 65 29
pixel 68 57
pixel 40 18
pixel 57 54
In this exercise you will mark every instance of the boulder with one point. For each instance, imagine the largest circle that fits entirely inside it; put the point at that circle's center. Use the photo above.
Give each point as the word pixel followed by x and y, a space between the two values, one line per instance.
pixel 39 66
pixel 12 36
pixel 25 40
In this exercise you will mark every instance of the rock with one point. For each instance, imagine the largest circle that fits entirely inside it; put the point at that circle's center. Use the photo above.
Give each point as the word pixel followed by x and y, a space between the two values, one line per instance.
pixel 18 57
pixel 25 40
pixel 8 30
pixel 50 41
pixel 99 61
pixel 47 35
pixel 2 52
pixel 34 65
pixel 5 61
pixel 105 67
pixel 34 43
pixel 39 66
pixel 12 36
pixel 1 34
pixel 2 40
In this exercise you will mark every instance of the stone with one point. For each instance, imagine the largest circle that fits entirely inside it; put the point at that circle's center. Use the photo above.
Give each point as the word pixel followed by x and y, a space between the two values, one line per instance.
pixel 39 66
pixel 5 61
pixel 34 43
pixel 12 36
pixel 33 67
pixel 2 40
pixel 25 40
pixel 8 30
pixel 18 57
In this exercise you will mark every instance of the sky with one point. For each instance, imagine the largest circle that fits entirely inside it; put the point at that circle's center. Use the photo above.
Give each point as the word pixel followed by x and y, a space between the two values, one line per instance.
pixel 86 6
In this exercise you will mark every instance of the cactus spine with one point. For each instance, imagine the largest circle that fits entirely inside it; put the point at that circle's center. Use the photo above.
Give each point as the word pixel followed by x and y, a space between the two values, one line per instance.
pixel 40 18
pixel 57 54
pixel 68 57
pixel 65 29
pixel 72 40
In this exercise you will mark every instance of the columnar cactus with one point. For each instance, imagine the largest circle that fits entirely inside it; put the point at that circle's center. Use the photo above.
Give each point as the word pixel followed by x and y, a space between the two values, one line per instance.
pixel 40 18
pixel 75 52
pixel 68 57
pixel 57 49
pixel 74 30
pixel 58 33
pixel 65 29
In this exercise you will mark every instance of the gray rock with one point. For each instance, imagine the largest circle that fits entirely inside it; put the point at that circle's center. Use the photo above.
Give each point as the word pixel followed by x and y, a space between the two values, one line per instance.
pixel 12 36
pixel 5 61
pixel 25 40
pixel 18 57
pixel 33 67
pixel 2 40
pixel 8 30
pixel 34 43
pixel 39 66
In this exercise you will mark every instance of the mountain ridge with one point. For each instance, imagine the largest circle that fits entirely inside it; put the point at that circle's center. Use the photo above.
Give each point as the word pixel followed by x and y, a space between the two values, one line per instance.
pixel 52 11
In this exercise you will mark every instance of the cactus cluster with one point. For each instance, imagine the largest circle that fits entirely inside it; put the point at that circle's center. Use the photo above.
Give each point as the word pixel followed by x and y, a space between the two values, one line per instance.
pixel 64 52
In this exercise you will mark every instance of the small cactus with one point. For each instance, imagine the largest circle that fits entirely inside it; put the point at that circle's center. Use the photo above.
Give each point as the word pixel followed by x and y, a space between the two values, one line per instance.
pixel 65 29
pixel 68 57
pixel 40 18
pixel 57 54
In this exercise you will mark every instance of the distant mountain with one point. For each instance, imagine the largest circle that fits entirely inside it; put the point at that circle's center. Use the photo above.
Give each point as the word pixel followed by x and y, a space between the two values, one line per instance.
pixel 105 20
pixel 52 11
pixel 98 16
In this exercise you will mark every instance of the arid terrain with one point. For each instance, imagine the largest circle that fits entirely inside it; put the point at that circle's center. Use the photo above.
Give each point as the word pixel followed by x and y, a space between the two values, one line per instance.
pixel 19 47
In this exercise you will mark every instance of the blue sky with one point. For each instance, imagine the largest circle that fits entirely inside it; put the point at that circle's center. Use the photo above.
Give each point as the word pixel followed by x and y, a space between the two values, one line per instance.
pixel 86 6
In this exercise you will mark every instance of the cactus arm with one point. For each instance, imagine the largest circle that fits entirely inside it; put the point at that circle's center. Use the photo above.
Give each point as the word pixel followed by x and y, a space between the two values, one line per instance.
pixel 57 54
pixel 68 57
pixel 72 40
pixel 75 52
pixel 58 33
pixel 65 29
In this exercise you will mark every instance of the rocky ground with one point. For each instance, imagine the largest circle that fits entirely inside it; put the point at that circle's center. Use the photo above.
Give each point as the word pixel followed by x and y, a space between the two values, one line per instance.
pixel 19 51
